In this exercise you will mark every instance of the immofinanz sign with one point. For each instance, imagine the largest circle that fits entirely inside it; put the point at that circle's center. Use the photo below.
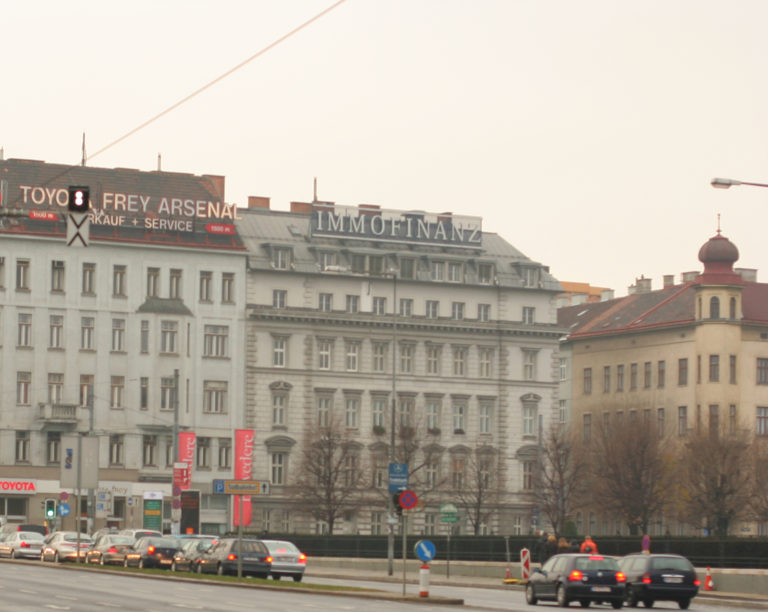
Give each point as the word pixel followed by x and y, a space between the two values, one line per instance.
pixel 18 486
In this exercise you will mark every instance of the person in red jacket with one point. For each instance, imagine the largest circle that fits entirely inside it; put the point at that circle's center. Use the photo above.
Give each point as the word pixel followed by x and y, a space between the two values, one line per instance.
pixel 588 545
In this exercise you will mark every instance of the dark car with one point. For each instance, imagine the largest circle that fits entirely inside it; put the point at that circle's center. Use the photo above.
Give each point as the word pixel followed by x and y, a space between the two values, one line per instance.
pixel 152 551
pixel 109 548
pixel 659 577
pixel 221 558
pixel 10 527
pixel 586 578
pixel 191 550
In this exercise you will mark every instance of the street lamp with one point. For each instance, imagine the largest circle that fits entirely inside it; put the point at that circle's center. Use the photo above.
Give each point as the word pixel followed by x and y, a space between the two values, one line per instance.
pixel 393 420
pixel 724 183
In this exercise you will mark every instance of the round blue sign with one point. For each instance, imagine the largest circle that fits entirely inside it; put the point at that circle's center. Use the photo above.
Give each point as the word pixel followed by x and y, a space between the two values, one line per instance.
pixel 425 550
pixel 63 509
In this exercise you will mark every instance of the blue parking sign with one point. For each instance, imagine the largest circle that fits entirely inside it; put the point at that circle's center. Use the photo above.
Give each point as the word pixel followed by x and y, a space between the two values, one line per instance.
pixel 398 477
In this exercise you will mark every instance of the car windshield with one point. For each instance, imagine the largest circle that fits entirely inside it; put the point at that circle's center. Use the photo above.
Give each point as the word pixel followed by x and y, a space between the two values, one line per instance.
pixel 281 547
pixel 596 563
pixel 118 539
pixel 677 564
pixel 249 546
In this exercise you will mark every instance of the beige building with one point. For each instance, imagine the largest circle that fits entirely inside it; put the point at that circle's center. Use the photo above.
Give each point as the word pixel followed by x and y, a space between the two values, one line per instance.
pixel 687 356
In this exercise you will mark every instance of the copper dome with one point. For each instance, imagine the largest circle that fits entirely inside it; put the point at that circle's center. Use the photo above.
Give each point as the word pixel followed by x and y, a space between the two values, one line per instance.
pixel 718 249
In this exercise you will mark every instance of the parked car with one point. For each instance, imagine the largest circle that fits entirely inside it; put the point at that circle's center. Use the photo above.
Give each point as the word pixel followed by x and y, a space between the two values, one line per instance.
pixel 152 551
pixel 287 560
pixel 140 533
pixel 586 578
pixel 221 558
pixel 109 548
pixel 191 550
pixel 63 546
pixel 659 577
pixel 21 544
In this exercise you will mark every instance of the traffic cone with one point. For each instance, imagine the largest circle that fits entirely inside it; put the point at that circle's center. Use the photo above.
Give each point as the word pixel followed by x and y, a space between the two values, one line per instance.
pixel 508 573
pixel 709 585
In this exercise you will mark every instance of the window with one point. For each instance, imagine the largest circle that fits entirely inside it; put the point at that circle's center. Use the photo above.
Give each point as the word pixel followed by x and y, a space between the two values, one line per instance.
pixel 149 450
pixel 56 339
pixel 457 310
pixel 89 274
pixel 406 307
pixel 57 276
pixel 762 421
pixel 647 375
pixel 438 270
pixel 587 380
pixel 455 272
pixel 215 396
pixel 562 411
pixel 633 376
pixel 227 288
pixel 732 418
pixel 215 341
pixel 432 473
pixel 353 303
pixel 485 412
pixel 327 259
pixel 153 281
pixel 714 308
pixel 714 368
pixel 459 416
pixel 117 390
pixel 174 286
pixel 620 377
pixel 23 385
pixel 55 388
pixel 167 393
pixel 86 333
pixel 378 410
pixel 206 280
pixel 587 428
pixel 279 349
pixel 352 412
pixel 86 389
pixel 529 364
pixel 279 298
pixel 530 416
pixel 379 356
pixel 485 362
pixel 118 281
pixel 433 414
pixel 324 404
pixel 528 471
pixel 22 447
pixel 407 268
pixel 698 369
pixel 459 361
pixel 118 334
pixel 144 337
pixel 324 354
pixel 278 409
pixel 433 309
pixel 352 356
pixel 433 359
pixel 379 305
pixel 485 273
pixel 25 329
pixel 457 472
pixel 143 393
pixel 53 447
pixel 682 420
pixel 225 453
pixel 563 366
pixel 203 450
pixel 116 449
pixel 714 419
pixel 2 272
pixel 661 374
pixel 732 369
pixel 682 372
pixel 405 408
pixel 22 274
pixel 484 312
pixel 325 302
pixel 168 336
pixel 530 277
pixel 277 463
pixel 529 315
pixel 660 416
pixel 406 358
pixel 606 379
pixel 281 258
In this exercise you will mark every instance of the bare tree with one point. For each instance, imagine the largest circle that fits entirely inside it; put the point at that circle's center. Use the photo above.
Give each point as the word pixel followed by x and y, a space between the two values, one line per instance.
pixel 476 481
pixel 716 479
pixel 631 471
pixel 559 483
pixel 331 478
pixel 759 479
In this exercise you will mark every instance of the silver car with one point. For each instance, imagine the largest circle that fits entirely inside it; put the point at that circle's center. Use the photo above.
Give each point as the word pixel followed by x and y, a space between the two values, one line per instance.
pixel 287 560
pixel 62 546
pixel 21 545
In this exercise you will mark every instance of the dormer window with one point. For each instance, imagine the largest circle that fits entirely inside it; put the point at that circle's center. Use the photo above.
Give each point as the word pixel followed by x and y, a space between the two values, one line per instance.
pixel 485 273
pixel 281 258
pixel 327 259
pixel 530 277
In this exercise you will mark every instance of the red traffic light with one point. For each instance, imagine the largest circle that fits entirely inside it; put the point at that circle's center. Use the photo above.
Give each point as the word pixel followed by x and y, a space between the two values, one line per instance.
pixel 79 198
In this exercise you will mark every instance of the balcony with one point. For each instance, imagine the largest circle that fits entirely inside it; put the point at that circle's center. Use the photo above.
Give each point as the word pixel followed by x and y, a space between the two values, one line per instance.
pixel 58 413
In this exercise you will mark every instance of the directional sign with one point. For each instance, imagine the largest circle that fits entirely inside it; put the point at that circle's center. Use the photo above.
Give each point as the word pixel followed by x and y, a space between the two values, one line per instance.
pixel 449 513
pixel 246 487
pixel 398 477
pixel 425 550
pixel 64 509
pixel 408 500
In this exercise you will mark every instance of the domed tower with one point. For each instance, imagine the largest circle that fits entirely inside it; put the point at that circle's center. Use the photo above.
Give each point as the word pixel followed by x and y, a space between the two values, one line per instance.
pixel 718 287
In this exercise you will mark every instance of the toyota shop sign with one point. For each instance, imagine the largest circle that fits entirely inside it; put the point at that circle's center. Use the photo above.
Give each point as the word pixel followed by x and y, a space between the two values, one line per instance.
pixel 17 486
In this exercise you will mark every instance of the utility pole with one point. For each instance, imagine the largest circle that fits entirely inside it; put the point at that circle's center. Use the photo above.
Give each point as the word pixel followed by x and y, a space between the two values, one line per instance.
pixel 91 503
pixel 393 420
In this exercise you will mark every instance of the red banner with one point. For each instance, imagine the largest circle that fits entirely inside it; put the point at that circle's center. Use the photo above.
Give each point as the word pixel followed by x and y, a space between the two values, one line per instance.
pixel 187 455
pixel 243 463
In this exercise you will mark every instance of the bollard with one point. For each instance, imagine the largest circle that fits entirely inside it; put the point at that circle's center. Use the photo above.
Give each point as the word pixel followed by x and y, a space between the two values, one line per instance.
pixel 424 580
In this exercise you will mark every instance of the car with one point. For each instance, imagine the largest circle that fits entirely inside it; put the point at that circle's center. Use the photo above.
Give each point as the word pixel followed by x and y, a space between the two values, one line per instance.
pixel 659 577
pixel 21 545
pixel 222 558
pixel 152 551
pixel 191 550
pixel 11 527
pixel 583 577
pixel 109 548
pixel 287 560
pixel 63 546
pixel 140 533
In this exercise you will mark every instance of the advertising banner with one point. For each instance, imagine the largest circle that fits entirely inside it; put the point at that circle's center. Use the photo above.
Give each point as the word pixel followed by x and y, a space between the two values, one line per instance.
pixel 243 461
pixel 186 455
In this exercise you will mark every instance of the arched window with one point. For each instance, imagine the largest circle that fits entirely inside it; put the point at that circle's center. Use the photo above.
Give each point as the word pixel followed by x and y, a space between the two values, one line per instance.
pixel 732 309
pixel 714 308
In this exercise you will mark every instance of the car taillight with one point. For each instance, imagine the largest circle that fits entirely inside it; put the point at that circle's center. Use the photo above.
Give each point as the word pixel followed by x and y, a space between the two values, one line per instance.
pixel 574 576
pixel 268 559
pixel 112 550
pixel 231 557
pixel 647 579
pixel 302 558
pixel 150 550
pixel 24 544
pixel 697 582
pixel 620 577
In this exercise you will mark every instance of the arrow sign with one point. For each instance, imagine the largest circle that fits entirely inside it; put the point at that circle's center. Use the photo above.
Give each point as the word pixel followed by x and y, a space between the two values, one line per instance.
pixel 425 550
pixel 64 510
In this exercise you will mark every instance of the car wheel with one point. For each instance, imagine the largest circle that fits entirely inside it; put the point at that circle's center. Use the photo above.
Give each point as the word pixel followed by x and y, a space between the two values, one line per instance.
pixel 173 566
pixel 684 603
pixel 616 603
pixel 648 603
pixel 276 576
pixel 101 560
pixel 584 603
pixel 630 598
pixel 220 569
pixel 13 554
pixel 562 598
pixel 530 595
pixel 56 557
pixel 141 563
pixel 125 562
pixel 297 577
pixel 42 556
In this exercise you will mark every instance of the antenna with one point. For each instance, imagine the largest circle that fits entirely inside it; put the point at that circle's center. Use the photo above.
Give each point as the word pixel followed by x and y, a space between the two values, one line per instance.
pixel 159 160
pixel 314 197
pixel 718 224
pixel 82 161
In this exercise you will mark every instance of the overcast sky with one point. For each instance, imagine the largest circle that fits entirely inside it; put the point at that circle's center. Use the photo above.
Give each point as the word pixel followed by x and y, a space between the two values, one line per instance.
pixel 585 132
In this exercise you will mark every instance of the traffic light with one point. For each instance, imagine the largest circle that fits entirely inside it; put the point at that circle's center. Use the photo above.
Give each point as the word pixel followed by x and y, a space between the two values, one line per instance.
pixel 396 502
pixel 79 196
pixel 50 508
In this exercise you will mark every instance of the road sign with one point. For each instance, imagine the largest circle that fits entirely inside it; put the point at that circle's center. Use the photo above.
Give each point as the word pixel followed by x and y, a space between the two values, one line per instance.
pixel 408 500
pixel 246 487
pixel 449 513
pixel 63 496
pixel 398 477
pixel 64 510
pixel 218 486
pixel 525 563
pixel 425 550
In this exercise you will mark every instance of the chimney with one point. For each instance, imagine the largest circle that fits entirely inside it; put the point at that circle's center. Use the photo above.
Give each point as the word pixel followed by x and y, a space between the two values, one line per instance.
pixel 218 183
pixel 301 207
pixel 369 209
pixel 642 285
pixel 748 274
pixel 669 280
pixel 258 202
pixel 606 294
pixel 689 277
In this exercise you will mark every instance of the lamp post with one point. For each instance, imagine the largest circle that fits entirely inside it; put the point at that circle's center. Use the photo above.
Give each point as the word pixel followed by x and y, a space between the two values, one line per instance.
pixel 392 424
pixel 724 183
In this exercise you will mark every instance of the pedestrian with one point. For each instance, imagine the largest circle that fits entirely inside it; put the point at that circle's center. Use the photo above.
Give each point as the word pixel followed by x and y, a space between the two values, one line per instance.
pixel 588 545
pixel 541 547
pixel 563 546
pixel 646 544
pixel 550 548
